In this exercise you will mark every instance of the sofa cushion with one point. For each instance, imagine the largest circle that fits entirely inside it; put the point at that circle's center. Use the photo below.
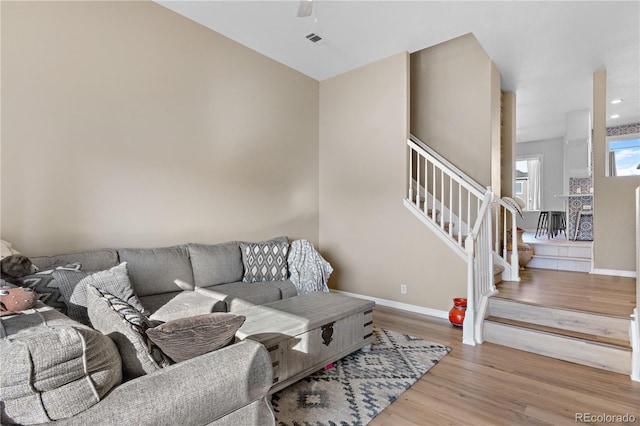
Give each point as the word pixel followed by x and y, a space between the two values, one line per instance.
pixel 126 326
pixel 187 338
pixel 265 261
pixel 171 306
pixel 93 260
pixel 240 295
pixel 73 286
pixel 155 270
pixel 52 367
pixel 216 263
pixel 286 287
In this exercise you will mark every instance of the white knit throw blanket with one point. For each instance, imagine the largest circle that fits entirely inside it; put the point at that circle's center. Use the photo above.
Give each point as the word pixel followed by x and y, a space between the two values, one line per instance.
pixel 308 270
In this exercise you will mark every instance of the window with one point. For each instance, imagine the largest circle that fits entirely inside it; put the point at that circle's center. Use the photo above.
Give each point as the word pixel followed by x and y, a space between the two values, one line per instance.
pixel 528 181
pixel 520 187
pixel 623 155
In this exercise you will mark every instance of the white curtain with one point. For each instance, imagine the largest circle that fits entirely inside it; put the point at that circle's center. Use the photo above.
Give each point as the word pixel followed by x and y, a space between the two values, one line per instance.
pixel 533 196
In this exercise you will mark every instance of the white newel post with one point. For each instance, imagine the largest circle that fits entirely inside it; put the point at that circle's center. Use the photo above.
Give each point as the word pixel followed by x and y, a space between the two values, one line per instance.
pixel 515 265
pixel 410 195
pixel 468 326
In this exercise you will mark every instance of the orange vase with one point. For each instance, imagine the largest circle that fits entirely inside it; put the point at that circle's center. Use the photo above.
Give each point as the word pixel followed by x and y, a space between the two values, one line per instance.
pixel 456 314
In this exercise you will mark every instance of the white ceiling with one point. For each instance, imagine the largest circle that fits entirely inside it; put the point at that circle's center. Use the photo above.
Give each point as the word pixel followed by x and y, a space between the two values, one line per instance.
pixel 546 51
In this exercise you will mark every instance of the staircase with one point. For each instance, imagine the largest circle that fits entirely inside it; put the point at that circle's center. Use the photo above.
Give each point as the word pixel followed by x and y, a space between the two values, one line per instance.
pixel 596 340
pixel 475 223
pixel 461 213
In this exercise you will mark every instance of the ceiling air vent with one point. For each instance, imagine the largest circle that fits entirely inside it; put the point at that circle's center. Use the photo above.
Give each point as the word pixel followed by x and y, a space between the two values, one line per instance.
pixel 313 37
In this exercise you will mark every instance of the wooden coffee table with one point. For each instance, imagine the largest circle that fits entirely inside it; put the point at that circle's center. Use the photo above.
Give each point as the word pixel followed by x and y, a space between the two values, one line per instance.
pixel 305 333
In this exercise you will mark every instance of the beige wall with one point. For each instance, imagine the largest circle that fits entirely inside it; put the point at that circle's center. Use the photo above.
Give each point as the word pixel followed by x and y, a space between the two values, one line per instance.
pixel 125 124
pixel 374 243
pixel 496 143
pixel 454 89
pixel 508 143
pixel 614 214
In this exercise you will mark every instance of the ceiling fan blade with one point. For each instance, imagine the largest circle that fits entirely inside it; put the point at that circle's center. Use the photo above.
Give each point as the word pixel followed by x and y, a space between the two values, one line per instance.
pixel 305 8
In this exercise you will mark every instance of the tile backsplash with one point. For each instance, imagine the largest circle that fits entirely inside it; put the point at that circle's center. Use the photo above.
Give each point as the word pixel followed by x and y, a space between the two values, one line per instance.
pixel 580 186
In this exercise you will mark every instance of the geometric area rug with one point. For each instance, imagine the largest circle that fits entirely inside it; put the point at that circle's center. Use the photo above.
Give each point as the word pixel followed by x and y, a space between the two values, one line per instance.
pixel 360 385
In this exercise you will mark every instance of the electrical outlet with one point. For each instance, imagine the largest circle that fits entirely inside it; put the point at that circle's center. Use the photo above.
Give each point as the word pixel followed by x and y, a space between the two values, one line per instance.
pixel 403 289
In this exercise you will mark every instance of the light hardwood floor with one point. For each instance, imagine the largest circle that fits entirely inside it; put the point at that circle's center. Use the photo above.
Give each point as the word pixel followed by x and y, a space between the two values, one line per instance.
pixel 490 384
pixel 573 290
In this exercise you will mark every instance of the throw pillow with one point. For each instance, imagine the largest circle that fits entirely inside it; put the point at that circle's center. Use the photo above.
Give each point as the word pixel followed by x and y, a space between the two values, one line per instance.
pixel 73 286
pixel 266 261
pixel 17 299
pixel 47 287
pixel 126 326
pixel 190 337
pixel 14 267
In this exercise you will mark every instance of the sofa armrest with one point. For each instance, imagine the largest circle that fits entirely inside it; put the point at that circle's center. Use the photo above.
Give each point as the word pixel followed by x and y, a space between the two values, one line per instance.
pixel 193 392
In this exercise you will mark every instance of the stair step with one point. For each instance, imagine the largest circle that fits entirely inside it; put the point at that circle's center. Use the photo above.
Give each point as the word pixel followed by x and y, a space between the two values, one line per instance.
pixel 561 250
pixel 497 274
pixel 547 256
pixel 560 263
pixel 563 332
pixel 578 348
pixel 571 320
pixel 429 211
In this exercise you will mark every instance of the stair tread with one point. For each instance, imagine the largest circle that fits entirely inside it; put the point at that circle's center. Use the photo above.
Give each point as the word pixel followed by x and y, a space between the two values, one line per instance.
pixel 622 344
pixel 561 308
pixel 497 269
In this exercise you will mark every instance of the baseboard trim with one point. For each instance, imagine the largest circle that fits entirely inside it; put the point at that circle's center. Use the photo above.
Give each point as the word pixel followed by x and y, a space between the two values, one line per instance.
pixel 614 273
pixel 398 305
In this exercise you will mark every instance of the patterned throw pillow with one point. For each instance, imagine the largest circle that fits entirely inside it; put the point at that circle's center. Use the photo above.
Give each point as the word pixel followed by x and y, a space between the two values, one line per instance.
pixel 127 327
pixel 73 283
pixel 265 261
pixel 190 337
pixel 47 287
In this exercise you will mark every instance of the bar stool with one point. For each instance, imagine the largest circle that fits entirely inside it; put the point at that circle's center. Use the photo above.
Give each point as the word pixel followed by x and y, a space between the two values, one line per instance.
pixel 584 211
pixel 557 223
pixel 543 223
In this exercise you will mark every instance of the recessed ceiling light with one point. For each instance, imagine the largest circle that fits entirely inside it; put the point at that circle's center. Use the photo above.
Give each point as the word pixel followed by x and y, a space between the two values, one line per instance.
pixel 616 101
pixel 615 116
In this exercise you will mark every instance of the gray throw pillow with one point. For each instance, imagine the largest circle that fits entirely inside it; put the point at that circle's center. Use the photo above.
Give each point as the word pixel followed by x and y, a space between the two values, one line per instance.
pixel 73 286
pixel 190 337
pixel 126 326
pixel 265 261
pixel 47 287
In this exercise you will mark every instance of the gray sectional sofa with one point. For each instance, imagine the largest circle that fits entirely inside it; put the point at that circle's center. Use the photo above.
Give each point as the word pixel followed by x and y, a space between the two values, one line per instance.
pixel 228 386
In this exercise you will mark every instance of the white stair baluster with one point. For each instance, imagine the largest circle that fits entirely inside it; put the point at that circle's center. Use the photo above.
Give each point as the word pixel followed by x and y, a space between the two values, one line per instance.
pixel 411 151
pixel 418 181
